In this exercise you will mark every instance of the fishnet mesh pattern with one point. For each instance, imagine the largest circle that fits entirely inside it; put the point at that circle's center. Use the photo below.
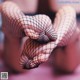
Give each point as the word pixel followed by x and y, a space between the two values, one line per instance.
pixel 34 53
pixel 65 27
pixel 17 23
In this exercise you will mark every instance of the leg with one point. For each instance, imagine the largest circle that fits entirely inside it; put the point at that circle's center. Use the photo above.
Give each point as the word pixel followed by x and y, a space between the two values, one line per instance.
pixel 12 54
pixel 67 58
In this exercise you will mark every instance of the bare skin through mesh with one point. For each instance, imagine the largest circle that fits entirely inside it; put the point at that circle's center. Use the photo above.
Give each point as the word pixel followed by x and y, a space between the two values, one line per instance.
pixel 39 29
pixel 65 27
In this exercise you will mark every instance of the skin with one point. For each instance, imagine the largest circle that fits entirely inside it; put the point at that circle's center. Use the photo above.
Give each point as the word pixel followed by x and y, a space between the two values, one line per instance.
pixel 66 43
pixel 16 23
pixel 67 58
pixel 27 6
pixel 67 62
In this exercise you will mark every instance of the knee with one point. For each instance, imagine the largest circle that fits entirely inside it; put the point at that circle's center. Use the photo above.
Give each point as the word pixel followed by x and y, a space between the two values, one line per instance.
pixel 65 62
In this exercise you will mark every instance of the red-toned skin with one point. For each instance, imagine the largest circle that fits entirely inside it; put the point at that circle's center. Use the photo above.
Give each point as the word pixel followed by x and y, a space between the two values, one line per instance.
pixel 67 58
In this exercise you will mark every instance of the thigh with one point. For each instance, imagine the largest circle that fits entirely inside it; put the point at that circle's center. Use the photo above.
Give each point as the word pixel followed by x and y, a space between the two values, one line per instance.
pixel 12 54
pixel 67 58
